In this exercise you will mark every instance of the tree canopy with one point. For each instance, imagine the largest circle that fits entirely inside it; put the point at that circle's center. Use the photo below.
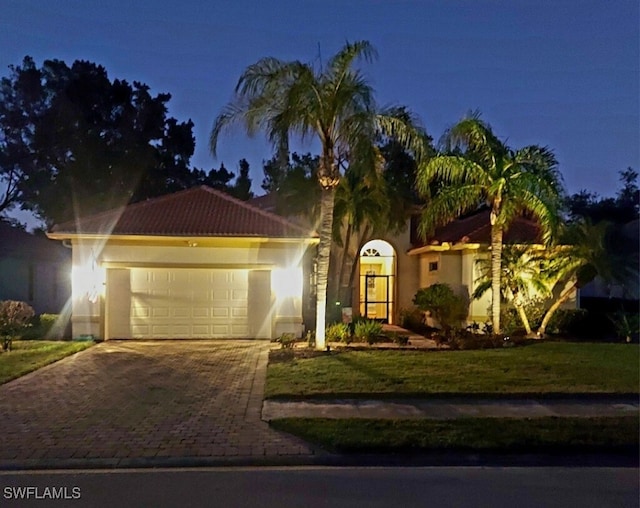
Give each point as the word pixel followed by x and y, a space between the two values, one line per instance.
pixel 75 142
pixel 622 208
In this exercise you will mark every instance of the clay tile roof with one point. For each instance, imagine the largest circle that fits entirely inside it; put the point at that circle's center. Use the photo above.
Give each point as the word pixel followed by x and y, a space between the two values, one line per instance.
pixel 199 211
pixel 476 228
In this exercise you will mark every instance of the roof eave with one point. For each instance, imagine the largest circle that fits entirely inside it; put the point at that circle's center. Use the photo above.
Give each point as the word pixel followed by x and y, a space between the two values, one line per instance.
pixel 178 238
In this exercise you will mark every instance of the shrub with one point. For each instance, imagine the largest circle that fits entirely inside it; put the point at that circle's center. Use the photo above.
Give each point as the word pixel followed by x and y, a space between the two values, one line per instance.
pixel 368 331
pixel 627 325
pixel 47 322
pixel 459 338
pixel 42 326
pixel 510 321
pixel 443 304
pixel 413 319
pixel 401 340
pixel 568 321
pixel 338 332
pixel 286 340
pixel 14 320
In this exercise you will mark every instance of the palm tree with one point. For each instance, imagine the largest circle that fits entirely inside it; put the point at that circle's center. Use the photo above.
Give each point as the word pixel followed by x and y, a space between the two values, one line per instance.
pixel 476 168
pixel 522 278
pixel 362 208
pixel 585 254
pixel 332 104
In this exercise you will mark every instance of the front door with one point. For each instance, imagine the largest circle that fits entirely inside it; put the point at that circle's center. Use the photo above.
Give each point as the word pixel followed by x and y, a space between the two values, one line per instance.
pixel 376 296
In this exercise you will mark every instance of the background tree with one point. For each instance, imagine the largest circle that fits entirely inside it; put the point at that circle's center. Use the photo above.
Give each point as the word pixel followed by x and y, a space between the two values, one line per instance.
pixel 216 178
pixel 332 104
pixel 74 142
pixel 622 209
pixel 476 168
pixel 242 187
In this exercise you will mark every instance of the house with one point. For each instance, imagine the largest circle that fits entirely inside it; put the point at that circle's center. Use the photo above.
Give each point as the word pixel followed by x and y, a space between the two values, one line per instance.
pixel 194 264
pixel 452 253
pixel 34 269
pixel 392 268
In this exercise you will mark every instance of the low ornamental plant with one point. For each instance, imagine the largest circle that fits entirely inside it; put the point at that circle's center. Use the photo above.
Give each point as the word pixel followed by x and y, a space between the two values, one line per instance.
pixel 339 332
pixel 14 319
pixel 286 340
pixel 367 331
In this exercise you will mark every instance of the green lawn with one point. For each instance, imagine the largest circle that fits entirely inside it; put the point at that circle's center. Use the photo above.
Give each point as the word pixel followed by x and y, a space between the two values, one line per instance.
pixel 554 435
pixel 544 368
pixel 29 355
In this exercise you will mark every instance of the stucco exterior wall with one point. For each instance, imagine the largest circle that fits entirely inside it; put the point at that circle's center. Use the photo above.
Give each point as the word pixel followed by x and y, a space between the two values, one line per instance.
pixel 91 260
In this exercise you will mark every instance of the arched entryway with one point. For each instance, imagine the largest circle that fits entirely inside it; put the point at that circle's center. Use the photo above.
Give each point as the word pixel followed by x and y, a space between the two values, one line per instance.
pixel 377 280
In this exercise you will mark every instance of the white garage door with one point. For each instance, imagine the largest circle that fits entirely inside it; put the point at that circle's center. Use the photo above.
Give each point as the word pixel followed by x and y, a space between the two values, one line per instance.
pixel 188 303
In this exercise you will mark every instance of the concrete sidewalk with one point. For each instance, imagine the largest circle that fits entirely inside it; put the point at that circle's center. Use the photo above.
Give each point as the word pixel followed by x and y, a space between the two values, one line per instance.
pixel 444 409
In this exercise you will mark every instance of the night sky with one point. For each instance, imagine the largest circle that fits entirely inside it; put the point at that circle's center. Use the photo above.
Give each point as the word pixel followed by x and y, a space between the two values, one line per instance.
pixel 559 73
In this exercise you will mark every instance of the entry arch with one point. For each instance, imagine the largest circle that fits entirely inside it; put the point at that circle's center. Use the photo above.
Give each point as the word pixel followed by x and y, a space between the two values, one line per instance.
pixel 378 265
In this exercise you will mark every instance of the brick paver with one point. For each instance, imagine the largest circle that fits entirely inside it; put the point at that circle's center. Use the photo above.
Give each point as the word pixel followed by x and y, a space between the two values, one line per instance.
pixel 144 400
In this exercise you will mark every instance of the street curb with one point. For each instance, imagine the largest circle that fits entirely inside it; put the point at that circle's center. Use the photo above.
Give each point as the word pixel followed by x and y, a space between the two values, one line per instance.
pixel 435 459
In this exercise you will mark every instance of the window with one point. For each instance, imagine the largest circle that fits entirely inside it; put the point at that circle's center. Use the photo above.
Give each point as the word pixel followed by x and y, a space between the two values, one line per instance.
pixel 433 266
pixel 371 252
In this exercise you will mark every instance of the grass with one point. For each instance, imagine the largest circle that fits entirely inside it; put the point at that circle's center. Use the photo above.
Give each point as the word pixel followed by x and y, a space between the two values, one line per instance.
pixel 549 434
pixel 30 355
pixel 537 369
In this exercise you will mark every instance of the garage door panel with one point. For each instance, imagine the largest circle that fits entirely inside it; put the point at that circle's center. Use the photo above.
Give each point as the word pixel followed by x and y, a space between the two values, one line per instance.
pixel 201 312
pixel 239 312
pixel 181 313
pixel 220 312
pixel 182 303
pixel 140 330
pixel 160 312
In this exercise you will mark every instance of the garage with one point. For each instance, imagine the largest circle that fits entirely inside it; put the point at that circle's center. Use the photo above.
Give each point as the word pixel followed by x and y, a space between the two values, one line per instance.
pixel 147 303
pixel 194 264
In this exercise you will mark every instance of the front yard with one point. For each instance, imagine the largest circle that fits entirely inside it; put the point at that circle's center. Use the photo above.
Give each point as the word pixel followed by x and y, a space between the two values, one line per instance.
pixel 537 369
pixel 30 355
pixel 505 435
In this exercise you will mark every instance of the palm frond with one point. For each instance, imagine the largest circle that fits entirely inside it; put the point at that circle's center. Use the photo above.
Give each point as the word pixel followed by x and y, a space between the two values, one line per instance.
pixel 451 170
pixel 449 204
pixel 231 114
pixel 342 61
pixel 398 124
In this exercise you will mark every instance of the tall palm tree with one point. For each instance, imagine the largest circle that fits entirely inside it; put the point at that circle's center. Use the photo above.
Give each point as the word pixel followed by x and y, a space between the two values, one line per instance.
pixel 333 104
pixel 475 167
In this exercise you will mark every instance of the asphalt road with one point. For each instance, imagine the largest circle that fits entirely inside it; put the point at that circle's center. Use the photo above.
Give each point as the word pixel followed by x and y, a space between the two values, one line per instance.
pixel 312 487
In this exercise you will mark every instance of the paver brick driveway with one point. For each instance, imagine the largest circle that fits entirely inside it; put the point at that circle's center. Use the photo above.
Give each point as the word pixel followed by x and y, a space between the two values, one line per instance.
pixel 161 399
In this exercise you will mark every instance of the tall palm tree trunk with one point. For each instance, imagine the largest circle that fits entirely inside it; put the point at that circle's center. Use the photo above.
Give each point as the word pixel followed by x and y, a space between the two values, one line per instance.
pixel 344 294
pixel 556 305
pixel 366 232
pixel 496 273
pixel 324 255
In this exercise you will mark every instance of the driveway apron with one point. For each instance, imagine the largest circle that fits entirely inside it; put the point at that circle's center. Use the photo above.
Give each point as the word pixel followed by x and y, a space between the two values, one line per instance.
pixel 144 400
